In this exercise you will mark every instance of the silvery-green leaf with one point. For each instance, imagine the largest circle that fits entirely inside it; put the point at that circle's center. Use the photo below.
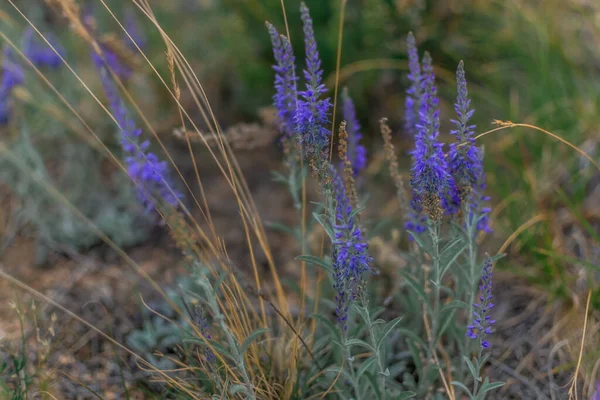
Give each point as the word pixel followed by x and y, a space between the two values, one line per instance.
pixel 251 338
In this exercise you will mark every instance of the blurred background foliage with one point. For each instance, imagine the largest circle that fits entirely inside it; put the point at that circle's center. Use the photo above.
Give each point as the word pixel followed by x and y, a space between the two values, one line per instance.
pixel 526 61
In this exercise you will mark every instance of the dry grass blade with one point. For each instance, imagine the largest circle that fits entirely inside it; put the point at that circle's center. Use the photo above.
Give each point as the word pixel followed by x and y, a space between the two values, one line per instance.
pixel 573 388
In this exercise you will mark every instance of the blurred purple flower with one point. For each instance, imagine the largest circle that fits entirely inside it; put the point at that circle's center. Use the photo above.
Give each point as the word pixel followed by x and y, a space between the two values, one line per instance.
pixel 109 59
pixel 12 75
pixel 150 175
pixel 357 153
pixel 482 323
pixel 39 52
pixel 414 94
pixel 133 28
pixel 596 394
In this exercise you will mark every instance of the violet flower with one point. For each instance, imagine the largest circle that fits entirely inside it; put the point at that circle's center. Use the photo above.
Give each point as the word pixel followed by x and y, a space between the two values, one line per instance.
pixel 38 51
pixel 12 75
pixel 285 97
pixel 150 175
pixel 430 178
pixel 482 323
pixel 133 28
pixel 351 260
pixel 414 94
pixel 312 113
pixel 109 59
pixel 466 159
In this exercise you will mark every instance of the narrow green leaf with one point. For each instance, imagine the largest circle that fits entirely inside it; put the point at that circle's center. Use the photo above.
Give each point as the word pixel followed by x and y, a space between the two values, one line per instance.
pixel 328 324
pixel 487 386
pixel 389 327
pixel 220 280
pixel 406 395
pixel 358 342
pixel 462 386
pixel 450 254
pixel 497 257
pixel 416 287
pixel 315 261
pixel 238 389
pixel 321 220
pixel 420 242
pixel 365 366
pixel 364 313
pixel 471 367
pixel 373 382
pixel 455 304
pixel 279 177
pixel 252 337
pixel 277 226
pixel 446 320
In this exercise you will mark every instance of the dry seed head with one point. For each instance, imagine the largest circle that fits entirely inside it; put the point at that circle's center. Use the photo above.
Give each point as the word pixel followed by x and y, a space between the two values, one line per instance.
pixel 171 62
pixel 348 170
pixel 432 206
pixel 390 155
pixel 71 11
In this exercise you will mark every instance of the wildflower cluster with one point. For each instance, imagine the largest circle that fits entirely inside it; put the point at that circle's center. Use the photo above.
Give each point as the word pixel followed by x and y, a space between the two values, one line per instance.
pixel 308 113
pixel 442 184
pixel 144 167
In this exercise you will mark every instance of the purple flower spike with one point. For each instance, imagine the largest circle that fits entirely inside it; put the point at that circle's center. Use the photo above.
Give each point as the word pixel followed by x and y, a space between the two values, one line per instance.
pixel 466 159
pixel 482 323
pixel 312 114
pixel 416 221
pixel 202 323
pixel 414 94
pixel 109 59
pixel 285 97
pixel 430 178
pixel 150 175
pixel 351 260
pixel 12 75
pixel 38 51
pixel 357 153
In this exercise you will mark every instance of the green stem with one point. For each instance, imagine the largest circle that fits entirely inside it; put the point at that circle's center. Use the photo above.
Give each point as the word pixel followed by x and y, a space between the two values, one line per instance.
pixel 352 373
pixel 476 378
pixel 473 276
pixel 434 231
pixel 378 357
